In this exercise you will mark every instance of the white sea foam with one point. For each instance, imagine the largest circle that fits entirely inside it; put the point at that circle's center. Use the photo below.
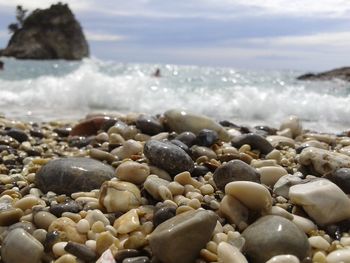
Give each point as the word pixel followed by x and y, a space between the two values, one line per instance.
pixel 49 90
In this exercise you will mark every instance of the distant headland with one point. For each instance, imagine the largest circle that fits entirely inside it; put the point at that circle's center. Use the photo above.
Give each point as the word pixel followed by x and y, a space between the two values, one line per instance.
pixel 339 73
pixel 51 33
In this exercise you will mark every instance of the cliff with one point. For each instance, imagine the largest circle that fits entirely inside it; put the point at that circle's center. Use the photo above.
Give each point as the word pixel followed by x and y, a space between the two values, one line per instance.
pixel 339 73
pixel 51 33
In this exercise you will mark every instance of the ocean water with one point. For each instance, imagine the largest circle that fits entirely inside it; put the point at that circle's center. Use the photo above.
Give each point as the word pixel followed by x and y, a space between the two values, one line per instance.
pixel 49 90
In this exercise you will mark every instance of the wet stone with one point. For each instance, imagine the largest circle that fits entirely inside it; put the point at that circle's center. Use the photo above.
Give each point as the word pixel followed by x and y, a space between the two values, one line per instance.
pixel 63 132
pixel 70 206
pixel 341 178
pixel 206 137
pixel 199 170
pixel 82 252
pixel 27 226
pixel 126 253
pixel 17 134
pixel 69 175
pixel 273 235
pixel 169 241
pixel 163 214
pixel 254 140
pixel 180 144
pixel 167 156
pixel 149 124
pixel 137 260
pixel 187 138
pixel 235 170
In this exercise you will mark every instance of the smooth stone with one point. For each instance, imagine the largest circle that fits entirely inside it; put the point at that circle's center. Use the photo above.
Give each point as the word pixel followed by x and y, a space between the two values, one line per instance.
pixel 234 211
pixel 304 224
pixel 102 155
pixel 153 186
pixel 181 145
pixel 106 257
pixel 277 140
pixel 75 174
pixel 17 134
pixel 323 161
pixel 21 247
pixel 282 186
pixel 230 254
pixel 198 151
pixel 137 260
pixel 132 172
pixel 293 123
pixel 122 254
pixel 269 175
pixel 187 138
pixel 163 214
pixel 235 170
pixel 128 132
pixel 27 202
pixel 70 206
pixel 252 195
pixel 96 215
pixel 27 226
pixel 339 256
pixel 319 242
pixel 119 196
pixel 43 219
pixel 284 259
pixel 104 241
pixel 182 121
pixel 279 211
pixel 128 149
pixel 271 236
pixel 315 143
pixel 83 226
pixel 206 137
pixel 81 251
pixel 128 222
pixel 66 258
pixel 254 140
pixel 322 200
pixel 89 126
pixel 169 241
pixel 345 150
pixel 67 229
pixel 9 215
pixel 341 177
pixel 167 156
pixel 149 124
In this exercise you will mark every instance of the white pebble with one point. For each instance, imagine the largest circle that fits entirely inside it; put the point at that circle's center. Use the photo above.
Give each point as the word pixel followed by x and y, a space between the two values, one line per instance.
pixel 283 259
pixel 91 244
pixel 339 256
pixel 230 254
pixel 319 242
pixel 58 249
pixel 83 226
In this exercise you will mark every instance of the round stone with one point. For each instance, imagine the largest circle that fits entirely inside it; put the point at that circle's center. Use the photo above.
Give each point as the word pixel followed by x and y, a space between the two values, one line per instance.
pixel 187 138
pixel 271 236
pixel 149 124
pixel 207 137
pixel 232 171
pixel 69 175
pixel 168 156
pixel 132 172
pixel 17 134
pixel 341 178
pixel 254 140
pixel 163 214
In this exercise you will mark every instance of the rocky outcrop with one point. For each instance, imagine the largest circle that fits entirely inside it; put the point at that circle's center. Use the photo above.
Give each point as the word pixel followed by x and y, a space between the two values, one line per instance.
pixel 51 33
pixel 339 73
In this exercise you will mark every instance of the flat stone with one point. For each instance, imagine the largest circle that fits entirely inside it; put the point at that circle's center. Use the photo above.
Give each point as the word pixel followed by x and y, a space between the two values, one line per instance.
pixel 273 235
pixel 322 200
pixel 149 124
pixel 69 175
pixel 254 140
pixel 341 177
pixel 182 121
pixel 170 240
pixel 235 170
pixel 21 247
pixel 167 156
pixel 323 161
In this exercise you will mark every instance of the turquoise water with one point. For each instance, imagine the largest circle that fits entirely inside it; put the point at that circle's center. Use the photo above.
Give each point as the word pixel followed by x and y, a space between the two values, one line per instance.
pixel 46 90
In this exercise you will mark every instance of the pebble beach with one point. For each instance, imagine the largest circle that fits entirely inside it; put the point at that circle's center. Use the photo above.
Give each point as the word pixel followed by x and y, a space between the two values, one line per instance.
pixel 170 188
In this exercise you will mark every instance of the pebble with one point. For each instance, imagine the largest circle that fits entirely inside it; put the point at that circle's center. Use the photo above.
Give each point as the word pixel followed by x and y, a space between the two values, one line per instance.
pixel 253 195
pixel 149 124
pixel 81 251
pixel 280 141
pixel 127 223
pixel 69 206
pixel 182 121
pixel 106 257
pixel 187 138
pixel 269 175
pixel 282 186
pixel 235 170
pixel 157 188
pixel 206 137
pixel 254 140
pixel 169 242
pixel 234 211
pixel 83 226
pixel 284 259
pixel 264 239
pixel 132 172
pixel 103 241
pixel 230 254
pixel 137 260
pixel 128 149
pixel 322 200
pixel 339 256
pixel 341 177
pixel 319 242
pixel 69 175
pixel 89 126
pixel 43 219
pixel 163 214
pixel 293 124
pixel 17 134
pixel 167 156
pixel 28 250
pixel 93 216
pixel 200 151
pixel 67 229
pixel 119 196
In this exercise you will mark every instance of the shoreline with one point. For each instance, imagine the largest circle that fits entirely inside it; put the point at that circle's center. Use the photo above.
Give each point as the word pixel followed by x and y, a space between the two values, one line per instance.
pixel 138 187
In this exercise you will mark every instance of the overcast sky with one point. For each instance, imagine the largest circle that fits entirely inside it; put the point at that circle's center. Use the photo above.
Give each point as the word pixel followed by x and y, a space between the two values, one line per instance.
pixel 277 34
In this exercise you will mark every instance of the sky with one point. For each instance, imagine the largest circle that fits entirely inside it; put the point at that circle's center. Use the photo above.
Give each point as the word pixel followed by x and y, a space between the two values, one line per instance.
pixel 250 34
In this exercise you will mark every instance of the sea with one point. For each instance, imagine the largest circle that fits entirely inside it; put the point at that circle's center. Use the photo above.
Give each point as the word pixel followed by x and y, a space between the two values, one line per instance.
pixel 54 90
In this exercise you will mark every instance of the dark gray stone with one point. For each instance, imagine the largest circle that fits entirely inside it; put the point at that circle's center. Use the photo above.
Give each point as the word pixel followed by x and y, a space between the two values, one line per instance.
pixel 181 145
pixel 69 175
pixel 163 214
pixel 341 178
pixel 273 235
pixel 187 138
pixel 207 137
pixel 137 260
pixel 168 156
pixel 126 253
pixel 70 206
pixel 181 238
pixel 339 73
pixel 80 251
pixel 235 170
pixel 149 124
pixel 254 140
pixel 17 134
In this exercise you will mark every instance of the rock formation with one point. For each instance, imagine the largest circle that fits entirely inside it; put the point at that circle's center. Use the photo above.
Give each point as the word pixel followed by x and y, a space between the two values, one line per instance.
pixel 339 73
pixel 51 33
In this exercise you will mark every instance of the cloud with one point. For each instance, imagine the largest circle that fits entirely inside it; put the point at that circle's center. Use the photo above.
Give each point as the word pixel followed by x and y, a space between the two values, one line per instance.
pixel 103 37
pixel 31 5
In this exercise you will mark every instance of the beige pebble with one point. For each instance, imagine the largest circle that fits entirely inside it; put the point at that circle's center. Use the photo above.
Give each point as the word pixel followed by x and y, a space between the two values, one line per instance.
pixel 183 208
pixel 67 258
pixel 263 163
pixel 185 178
pixel 58 249
pixel 269 175
pixel 27 202
pixel 10 216
pixel 98 227
pixel 208 256
pixel 339 256
pixel 274 155
pixel 40 235
pixel 320 257
pixel 106 257
pixel 319 242
pixel 219 237
pixel 43 219
pixel 293 123
pixel 128 222
pixel 75 217
pixel 252 195
pixel 194 203
pixel 91 244
pixel 153 184
pixel 102 155
pixel 212 246
pixel 277 140
pixel 230 254
pixel 160 173
pixel 176 188
pixel 233 210
pixel 129 148
pixel 83 226
pixel 283 259
pixel 115 138
pixel 67 227
pixel 207 189
pixel 103 242
pixel 165 193
pixel 345 241
pixel 304 224
pixel 132 172
pixel 276 210
pixel 95 215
